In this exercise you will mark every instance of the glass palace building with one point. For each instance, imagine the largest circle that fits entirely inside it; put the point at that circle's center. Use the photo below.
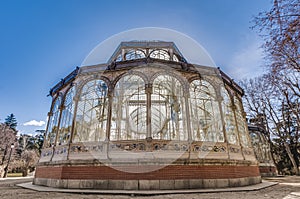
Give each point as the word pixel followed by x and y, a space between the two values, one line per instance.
pixel 147 119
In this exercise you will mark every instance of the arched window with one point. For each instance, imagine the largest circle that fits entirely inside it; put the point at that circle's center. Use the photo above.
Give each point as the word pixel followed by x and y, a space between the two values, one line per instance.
pixel 241 123
pixel 91 115
pixel 160 54
pixel 128 119
pixel 228 114
pixel 168 109
pixel 53 122
pixel 205 113
pixel 134 54
pixel 66 118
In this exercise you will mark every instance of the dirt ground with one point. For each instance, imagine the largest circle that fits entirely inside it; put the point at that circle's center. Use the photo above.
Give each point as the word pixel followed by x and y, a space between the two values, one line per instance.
pixel 9 190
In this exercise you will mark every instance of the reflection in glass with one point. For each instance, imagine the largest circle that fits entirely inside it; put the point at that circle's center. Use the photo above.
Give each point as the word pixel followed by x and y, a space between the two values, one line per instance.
pixel 53 122
pixel 230 125
pixel 66 118
pixel 260 146
pixel 129 112
pixel 241 123
pixel 204 112
pixel 91 115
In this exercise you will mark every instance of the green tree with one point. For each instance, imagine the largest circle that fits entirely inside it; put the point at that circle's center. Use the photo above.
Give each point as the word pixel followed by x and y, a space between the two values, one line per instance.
pixel 11 121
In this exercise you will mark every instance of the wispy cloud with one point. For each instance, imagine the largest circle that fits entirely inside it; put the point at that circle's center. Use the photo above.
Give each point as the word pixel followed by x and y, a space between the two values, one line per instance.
pixel 34 123
pixel 248 61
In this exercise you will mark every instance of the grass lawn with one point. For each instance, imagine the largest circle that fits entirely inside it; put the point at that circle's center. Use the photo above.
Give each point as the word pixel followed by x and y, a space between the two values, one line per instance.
pixel 14 175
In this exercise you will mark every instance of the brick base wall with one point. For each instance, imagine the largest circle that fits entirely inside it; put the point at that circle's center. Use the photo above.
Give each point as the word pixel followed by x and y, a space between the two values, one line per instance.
pixel 168 177
pixel 169 172
pixel 267 170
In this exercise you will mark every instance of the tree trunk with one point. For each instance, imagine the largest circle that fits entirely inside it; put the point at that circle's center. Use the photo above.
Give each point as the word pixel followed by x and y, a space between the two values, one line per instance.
pixel 1 171
pixel 272 155
pixel 288 150
pixel 24 171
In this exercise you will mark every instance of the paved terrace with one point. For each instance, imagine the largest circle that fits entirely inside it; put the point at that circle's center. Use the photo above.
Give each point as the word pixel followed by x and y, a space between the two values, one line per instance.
pixel 277 187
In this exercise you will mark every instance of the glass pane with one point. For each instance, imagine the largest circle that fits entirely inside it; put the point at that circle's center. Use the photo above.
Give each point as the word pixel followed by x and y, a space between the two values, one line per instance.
pixel 53 123
pixel 91 115
pixel 230 125
pixel 175 58
pixel 168 109
pixel 66 118
pixel 204 113
pixel 134 54
pixel 255 138
pixel 129 109
pixel 241 123
pixel 160 54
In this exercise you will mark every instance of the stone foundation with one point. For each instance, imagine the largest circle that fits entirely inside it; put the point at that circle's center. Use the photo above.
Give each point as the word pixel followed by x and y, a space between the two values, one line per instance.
pixel 232 174
pixel 147 184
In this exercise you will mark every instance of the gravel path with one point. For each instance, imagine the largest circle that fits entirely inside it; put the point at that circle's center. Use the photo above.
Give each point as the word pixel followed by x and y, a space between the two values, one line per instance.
pixel 9 190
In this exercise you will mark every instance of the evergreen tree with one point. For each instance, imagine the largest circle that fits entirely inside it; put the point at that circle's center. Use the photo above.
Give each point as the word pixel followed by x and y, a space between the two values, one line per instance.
pixel 11 121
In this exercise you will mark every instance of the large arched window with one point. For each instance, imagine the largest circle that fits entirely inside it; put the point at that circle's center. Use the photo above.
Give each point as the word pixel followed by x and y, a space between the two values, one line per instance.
pixel 66 118
pixel 91 115
pixel 228 114
pixel 241 123
pixel 168 109
pixel 53 122
pixel 128 119
pixel 205 113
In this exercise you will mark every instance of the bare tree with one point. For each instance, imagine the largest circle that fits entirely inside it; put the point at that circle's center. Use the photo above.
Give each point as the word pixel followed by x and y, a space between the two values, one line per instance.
pixel 280 29
pixel 7 138
pixel 272 108
pixel 27 160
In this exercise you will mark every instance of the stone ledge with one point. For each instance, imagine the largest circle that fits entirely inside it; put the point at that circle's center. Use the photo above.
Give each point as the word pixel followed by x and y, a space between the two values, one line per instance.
pixel 256 187
pixel 147 184
pixel 180 161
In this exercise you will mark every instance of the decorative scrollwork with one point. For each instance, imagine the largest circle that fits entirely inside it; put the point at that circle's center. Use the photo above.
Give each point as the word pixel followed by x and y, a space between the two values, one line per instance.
pixel 234 150
pixel 128 146
pixel 84 149
pixel 205 148
pixel 46 153
pixel 62 150
pixel 248 152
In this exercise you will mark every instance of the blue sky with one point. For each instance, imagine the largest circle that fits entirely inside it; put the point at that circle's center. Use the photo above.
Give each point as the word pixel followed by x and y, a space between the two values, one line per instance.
pixel 43 41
